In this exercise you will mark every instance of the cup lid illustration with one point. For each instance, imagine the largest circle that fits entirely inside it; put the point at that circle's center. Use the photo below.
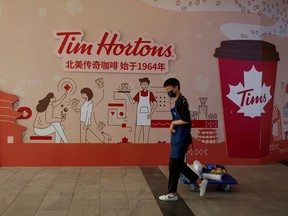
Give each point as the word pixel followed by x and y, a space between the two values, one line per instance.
pixel 254 50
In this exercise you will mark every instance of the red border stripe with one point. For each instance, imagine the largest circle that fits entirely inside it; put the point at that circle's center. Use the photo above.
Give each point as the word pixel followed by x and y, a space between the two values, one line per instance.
pixel 116 104
pixel 40 137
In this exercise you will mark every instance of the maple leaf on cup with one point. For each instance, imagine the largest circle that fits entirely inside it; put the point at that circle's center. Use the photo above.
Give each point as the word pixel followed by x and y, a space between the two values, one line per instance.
pixel 253 96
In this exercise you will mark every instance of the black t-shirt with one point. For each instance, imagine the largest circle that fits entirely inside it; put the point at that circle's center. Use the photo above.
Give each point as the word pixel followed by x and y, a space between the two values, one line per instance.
pixel 182 107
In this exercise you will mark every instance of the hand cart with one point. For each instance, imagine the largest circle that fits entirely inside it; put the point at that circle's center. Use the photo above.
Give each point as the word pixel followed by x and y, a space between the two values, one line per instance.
pixel 224 180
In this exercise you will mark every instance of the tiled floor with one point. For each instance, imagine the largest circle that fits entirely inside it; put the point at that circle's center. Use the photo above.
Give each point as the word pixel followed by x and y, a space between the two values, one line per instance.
pixel 81 191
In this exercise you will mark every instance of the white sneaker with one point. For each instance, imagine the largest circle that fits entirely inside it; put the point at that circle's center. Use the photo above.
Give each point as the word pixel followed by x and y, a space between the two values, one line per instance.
pixel 203 186
pixel 168 197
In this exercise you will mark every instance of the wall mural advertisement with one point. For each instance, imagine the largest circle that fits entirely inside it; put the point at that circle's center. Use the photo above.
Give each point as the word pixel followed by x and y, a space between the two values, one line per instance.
pixel 91 90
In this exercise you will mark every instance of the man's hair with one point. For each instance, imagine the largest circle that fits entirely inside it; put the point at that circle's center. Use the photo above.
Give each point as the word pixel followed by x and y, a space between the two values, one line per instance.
pixel 172 82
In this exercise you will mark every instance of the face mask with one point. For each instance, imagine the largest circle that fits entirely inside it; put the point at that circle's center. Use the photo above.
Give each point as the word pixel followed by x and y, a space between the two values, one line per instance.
pixel 171 94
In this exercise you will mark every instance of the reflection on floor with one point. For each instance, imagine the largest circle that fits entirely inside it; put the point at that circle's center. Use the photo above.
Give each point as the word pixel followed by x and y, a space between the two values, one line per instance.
pixel 79 191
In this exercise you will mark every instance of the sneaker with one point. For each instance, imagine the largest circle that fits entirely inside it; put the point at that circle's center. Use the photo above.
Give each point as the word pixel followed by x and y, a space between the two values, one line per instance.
pixel 203 186
pixel 168 197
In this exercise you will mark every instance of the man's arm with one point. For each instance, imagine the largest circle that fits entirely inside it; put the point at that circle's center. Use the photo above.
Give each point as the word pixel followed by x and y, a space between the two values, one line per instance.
pixel 131 100
pixel 176 122
pixel 183 110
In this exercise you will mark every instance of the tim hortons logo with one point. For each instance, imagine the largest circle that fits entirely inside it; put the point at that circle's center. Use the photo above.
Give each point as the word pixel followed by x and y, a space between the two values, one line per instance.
pixel 111 54
pixel 253 96
pixel 110 44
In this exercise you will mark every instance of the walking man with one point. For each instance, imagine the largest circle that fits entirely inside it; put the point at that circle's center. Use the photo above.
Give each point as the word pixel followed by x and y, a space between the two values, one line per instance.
pixel 180 130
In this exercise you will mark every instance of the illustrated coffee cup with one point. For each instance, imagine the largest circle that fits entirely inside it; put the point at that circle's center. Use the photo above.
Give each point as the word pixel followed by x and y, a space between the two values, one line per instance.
pixel 247 74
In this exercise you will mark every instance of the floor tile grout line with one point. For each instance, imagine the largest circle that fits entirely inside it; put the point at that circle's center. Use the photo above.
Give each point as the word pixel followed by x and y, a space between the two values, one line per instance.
pixel 52 182
pixel 19 192
pixel 74 191
pixel 16 196
pixel 123 172
pixel 99 211
pixel 11 174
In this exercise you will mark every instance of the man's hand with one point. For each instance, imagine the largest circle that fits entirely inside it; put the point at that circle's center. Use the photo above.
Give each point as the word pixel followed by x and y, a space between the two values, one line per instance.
pixel 171 129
